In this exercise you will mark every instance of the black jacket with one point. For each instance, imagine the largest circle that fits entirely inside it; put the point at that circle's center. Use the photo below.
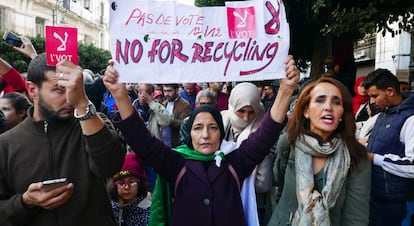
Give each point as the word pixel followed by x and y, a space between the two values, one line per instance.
pixel 36 151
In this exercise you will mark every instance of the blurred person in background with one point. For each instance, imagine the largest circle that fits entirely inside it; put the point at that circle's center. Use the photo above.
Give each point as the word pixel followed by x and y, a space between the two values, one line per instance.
pixel 360 100
pixel 203 97
pixel 269 94
pixel 404 87
pixel 189 93
pixel 222 99
pixel 10 79
pixel 14 106
pixel 179 109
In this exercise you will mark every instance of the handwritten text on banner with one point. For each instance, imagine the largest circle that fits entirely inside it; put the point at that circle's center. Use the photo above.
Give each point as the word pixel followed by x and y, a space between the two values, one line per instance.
pixel 166 41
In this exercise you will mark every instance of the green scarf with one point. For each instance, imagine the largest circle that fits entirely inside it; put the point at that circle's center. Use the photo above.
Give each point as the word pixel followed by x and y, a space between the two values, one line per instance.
pixel 161 206
pixel 188 153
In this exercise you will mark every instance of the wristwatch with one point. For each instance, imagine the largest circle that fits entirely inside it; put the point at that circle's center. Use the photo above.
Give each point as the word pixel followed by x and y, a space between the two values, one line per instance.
pixel 90 112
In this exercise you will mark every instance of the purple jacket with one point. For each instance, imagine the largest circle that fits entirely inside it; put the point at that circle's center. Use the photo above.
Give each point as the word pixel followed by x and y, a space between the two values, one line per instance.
pixel 203 197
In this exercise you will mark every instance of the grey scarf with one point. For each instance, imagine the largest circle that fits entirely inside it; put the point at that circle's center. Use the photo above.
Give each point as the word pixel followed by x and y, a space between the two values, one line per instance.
pixel 313 207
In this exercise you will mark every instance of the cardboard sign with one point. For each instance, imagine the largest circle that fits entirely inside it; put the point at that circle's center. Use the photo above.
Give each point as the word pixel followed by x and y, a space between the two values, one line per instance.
pixel 61 44
pixel 169 42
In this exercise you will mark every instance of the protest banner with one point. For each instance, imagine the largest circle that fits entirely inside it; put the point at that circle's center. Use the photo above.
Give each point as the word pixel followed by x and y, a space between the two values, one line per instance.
pixel 170 42
pixel 61 44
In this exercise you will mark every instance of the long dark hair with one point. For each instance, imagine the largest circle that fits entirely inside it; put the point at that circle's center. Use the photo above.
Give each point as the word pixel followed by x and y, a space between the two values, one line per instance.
pixel 298 125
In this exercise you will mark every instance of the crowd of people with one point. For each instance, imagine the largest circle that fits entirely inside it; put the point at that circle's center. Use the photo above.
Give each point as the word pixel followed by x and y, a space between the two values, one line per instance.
pixel 203 154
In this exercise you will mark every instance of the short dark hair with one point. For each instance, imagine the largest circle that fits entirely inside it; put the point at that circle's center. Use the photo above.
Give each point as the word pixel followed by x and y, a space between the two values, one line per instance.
pixel 172 85
pixel 37 68
pixel 19 101
pixel 271 86
pixel 151 86
pixel 382 79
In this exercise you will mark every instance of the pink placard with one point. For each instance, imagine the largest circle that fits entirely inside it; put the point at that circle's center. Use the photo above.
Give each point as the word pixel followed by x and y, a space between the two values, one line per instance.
pixel 61 44
pixel 241 22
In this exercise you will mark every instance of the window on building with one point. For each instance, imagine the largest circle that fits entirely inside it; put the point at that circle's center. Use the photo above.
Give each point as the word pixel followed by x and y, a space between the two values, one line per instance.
pixel 40 27
pixel 101 41
pixel 66 4
pixel 87 4
pixel 88 40
pixel 102 12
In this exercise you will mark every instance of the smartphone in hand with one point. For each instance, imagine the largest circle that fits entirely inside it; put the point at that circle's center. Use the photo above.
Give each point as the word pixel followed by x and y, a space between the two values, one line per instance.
pixel 12 39
pixel 54 183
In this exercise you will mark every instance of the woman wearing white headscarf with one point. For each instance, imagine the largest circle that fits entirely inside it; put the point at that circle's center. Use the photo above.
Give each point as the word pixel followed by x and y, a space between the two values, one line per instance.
pixel 244 115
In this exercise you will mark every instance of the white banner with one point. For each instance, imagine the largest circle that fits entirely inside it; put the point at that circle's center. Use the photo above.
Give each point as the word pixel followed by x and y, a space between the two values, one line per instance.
pixel 170 42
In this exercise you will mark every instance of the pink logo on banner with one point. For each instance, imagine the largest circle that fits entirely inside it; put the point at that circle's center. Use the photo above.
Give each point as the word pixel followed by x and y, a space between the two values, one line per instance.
pixel 61 44
pixel 241 22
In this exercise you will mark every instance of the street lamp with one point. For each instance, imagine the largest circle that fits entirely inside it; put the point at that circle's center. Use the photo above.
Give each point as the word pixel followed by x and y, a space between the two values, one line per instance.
pixel 65 5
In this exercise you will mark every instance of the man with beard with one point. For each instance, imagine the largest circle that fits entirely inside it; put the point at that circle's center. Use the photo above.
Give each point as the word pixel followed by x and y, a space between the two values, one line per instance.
pixel 390 147
pixel 179 109
pixel 62 137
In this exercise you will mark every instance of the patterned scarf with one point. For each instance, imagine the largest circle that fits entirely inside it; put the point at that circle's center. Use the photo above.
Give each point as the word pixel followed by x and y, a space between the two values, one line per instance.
pixel 313 207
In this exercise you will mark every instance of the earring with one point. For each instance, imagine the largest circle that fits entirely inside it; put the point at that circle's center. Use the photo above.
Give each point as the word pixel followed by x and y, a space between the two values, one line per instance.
pixel 340 119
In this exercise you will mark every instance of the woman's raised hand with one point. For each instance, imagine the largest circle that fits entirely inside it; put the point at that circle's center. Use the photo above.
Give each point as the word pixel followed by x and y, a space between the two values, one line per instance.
pixel 117 90
pixel 110 79
pixel 286 89
pixel 292 73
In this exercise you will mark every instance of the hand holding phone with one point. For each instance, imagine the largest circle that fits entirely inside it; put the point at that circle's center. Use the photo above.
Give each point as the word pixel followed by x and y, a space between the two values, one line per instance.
pixel 49 185
pixel 12 39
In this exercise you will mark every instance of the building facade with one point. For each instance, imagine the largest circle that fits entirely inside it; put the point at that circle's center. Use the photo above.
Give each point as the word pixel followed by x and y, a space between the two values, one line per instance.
pixel 393 53
pixel 30 18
